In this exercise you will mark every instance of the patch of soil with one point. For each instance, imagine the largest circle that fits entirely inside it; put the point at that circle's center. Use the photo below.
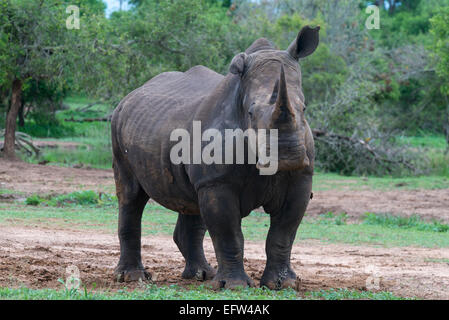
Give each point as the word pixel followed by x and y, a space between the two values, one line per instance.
pixel 37 258
pixel 26 178
pixel 429 204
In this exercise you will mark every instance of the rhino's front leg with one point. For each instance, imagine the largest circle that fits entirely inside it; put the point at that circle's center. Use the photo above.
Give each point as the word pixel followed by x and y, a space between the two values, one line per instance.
pixel 283 226
pixel 219 208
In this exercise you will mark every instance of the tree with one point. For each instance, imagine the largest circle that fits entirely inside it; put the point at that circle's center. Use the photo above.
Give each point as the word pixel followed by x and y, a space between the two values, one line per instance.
pixel 440 31
pixel 36 44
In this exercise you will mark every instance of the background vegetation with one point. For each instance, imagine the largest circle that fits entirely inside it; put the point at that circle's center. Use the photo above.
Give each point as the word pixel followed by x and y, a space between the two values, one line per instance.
pixel 367 91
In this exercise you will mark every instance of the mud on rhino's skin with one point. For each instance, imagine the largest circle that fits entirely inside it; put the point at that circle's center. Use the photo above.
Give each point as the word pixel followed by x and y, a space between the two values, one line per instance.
pixel 261 91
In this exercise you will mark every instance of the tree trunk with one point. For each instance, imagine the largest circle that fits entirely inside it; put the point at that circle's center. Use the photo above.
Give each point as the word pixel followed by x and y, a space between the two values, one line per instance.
pixel 380 3
pixel 446 126
pixel 391 6
pixel 10 127
pixel 21 114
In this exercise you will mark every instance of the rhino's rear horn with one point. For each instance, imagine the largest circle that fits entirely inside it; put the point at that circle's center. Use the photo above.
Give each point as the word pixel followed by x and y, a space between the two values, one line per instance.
pixel 283 111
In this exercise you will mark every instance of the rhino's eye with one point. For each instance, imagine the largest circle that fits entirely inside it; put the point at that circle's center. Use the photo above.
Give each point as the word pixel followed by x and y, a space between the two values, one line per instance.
pixel 251 109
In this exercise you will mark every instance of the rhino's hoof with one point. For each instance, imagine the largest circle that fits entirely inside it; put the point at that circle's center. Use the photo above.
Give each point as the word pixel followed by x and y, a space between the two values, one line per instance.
pixel 232 283
pixel 199 273
pixel 280 284
pixel 132 275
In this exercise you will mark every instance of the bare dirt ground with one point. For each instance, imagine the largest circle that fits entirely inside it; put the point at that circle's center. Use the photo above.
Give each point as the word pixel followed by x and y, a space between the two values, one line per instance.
pixel 38 257
pixel 29 179
pixel 429 204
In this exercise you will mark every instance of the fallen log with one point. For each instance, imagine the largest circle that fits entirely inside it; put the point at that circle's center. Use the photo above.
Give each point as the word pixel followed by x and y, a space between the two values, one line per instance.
pixel 328 137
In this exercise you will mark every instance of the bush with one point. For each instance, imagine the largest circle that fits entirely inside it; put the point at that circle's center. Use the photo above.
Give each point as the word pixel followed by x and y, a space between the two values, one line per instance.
pixel 33 200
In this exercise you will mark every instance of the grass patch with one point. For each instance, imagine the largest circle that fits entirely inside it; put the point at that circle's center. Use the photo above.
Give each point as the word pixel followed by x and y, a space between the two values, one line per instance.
pixel 80 198
pixel 346 294
pixel 429 141
pixel 8 191
pixel 332 218
pixel 149 292
pixel 434 146
pixel 174 292
pixel 331 181
pixel 413 222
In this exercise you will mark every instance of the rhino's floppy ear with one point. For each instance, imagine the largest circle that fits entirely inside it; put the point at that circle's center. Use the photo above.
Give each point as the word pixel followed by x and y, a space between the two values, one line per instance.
pixel 238 64
pixel 305 43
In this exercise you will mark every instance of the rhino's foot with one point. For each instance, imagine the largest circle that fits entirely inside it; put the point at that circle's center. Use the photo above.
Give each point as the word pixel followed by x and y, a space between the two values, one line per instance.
pixel 279 278
pixel 127 275
pixel 240 280
pixel 201 273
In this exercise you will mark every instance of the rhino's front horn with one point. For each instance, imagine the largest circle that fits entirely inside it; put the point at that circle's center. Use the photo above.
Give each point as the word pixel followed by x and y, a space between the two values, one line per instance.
pixel 283 111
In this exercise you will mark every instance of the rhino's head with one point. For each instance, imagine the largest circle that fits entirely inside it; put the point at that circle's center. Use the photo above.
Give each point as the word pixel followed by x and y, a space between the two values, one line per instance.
pixel 272 96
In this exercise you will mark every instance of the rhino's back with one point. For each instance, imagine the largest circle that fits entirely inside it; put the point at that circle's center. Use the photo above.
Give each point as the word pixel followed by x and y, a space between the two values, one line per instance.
pixel 183 86
pixel 166 100
pixel 141 128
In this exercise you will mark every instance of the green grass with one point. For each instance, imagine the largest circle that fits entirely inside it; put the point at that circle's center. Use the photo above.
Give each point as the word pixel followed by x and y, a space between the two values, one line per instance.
pixel 87 197
pixel 159 221
pixel 174 292
pixel 333 181
pixel 346 294
pixel 434 146
pixel 429 141
pixel 8 191
pixel 413 222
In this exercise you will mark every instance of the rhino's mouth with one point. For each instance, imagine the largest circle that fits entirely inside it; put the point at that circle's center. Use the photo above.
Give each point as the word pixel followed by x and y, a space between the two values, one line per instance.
pixel 290 158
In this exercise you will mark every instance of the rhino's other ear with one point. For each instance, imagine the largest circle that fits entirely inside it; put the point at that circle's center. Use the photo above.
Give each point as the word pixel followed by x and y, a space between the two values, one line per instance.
pixel 305 43
pixel 238 64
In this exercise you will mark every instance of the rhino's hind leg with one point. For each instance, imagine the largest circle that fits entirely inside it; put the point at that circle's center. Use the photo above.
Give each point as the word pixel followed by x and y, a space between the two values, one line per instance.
pixel 188 236
pixel 132 200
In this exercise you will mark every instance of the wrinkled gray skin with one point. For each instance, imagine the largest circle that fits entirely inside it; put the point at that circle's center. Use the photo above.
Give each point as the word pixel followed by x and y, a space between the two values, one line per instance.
pixel 262 90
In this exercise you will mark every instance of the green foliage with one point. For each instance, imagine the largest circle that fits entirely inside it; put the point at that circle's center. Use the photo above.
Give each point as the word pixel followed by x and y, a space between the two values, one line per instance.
pixel 364 84
pixel 440 30
pixel 34 200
